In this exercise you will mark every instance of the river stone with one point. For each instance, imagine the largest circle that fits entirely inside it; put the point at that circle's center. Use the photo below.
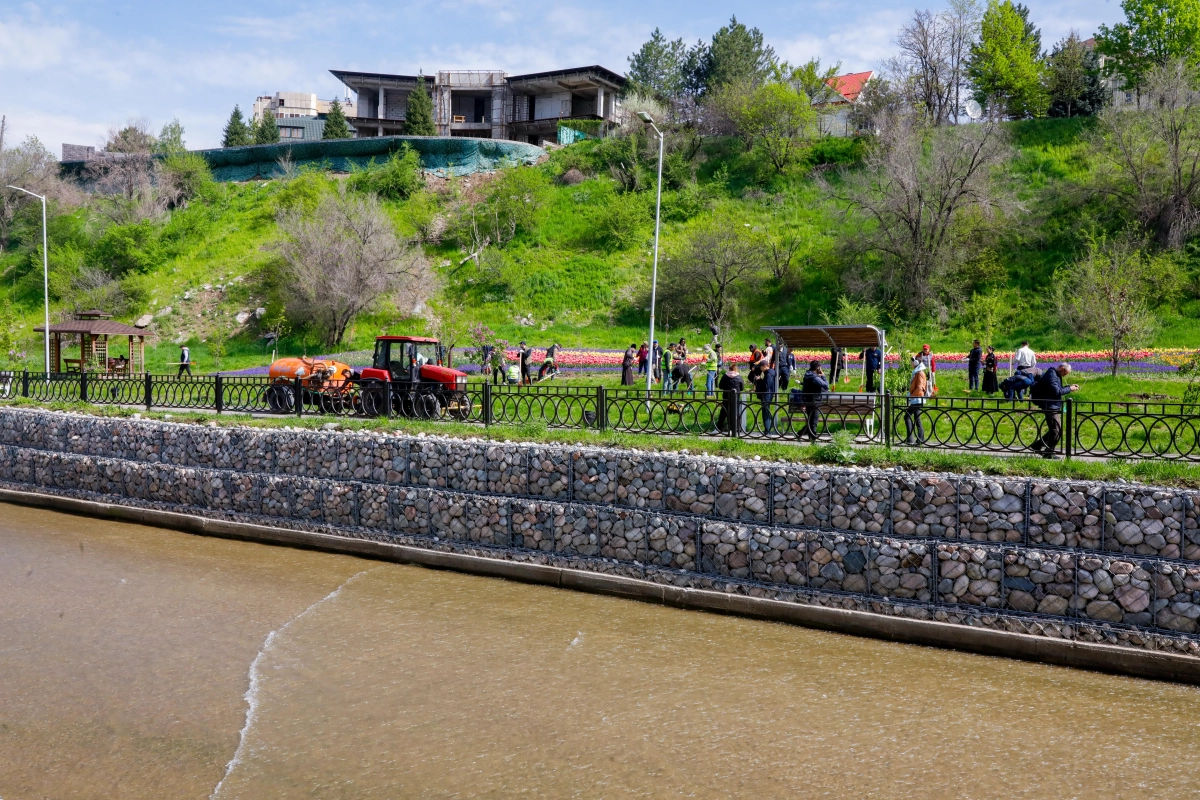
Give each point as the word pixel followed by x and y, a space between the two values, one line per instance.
pixel 854 561
pixel 1132 598
pixel 1053 604
pixel 1104 610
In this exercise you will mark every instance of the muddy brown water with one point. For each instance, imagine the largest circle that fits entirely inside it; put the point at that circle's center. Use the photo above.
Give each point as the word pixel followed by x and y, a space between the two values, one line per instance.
pixel 137 662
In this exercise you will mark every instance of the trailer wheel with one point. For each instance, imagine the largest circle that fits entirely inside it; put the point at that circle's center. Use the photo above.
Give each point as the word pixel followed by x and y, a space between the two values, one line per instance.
pixel 460 406
pixel 373 402
pixel 429 406
pixel 280 399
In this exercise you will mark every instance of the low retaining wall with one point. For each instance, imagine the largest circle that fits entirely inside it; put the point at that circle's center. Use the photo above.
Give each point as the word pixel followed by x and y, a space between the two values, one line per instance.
pixel 1081 562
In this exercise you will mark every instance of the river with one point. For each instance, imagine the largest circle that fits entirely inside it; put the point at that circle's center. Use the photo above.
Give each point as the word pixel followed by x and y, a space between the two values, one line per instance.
pixel 136 662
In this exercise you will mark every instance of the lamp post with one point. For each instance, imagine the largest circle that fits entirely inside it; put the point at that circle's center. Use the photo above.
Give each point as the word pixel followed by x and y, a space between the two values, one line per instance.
pixel 45 272
pixel 646 118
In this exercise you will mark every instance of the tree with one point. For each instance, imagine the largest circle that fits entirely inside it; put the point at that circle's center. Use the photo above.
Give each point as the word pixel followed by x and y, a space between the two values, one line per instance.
pixel 1005 67
pixel 418 121
pixel 450 323
pixel 929 72
pixel 711 268
pixel 237 133
pixel 341 259
pixel 1151 158
pixel 28 165
pixel 1154 33
pixel 737 55
pixel 916 187
pixel 1108 292
pixel 814 81
pixel 657 67
pixel 1073 79
pixel 266 128
pixel 335 123
pixel 125 186
pixel 773 117
pixel 170 139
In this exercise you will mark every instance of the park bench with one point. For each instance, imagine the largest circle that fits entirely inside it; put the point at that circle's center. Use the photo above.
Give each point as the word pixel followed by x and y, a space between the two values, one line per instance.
pixel 840 406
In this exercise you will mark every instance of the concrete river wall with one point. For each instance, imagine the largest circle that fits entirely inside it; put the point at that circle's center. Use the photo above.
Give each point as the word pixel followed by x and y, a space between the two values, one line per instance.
pixel 1097 575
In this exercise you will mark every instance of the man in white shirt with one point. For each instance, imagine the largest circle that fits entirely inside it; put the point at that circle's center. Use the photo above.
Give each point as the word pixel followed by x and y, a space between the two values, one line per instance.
pixel 1023 360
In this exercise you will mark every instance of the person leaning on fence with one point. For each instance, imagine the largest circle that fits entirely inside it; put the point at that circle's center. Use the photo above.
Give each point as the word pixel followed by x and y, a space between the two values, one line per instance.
pixel 813 389
pixel 731 386
pixel 974 360
pixel 918 387
pixel 990 386
pixel 1048 392
pixel 627 362
pixel 185 361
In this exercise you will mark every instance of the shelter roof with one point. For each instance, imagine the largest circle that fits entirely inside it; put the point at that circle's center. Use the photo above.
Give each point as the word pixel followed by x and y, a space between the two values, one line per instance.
pixel 850 86
pixel 93 326
pixel 819 337
pixel 567 78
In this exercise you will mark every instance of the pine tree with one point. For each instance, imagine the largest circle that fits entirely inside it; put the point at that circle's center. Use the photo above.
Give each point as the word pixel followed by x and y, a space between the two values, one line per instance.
pixel 419 119
pixel 335 123
pixel 237 134
pixel 266 130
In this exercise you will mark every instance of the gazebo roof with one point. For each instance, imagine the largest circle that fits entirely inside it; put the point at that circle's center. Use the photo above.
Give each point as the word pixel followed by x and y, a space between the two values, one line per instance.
pixel 818 337
pixel 94 327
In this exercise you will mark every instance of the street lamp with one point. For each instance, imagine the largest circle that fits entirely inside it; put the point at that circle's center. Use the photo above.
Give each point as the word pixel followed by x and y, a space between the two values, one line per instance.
pixel 646 118
pixel 45 271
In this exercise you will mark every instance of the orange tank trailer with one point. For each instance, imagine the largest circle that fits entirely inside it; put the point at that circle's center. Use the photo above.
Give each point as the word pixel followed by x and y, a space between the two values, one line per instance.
pixel 316 375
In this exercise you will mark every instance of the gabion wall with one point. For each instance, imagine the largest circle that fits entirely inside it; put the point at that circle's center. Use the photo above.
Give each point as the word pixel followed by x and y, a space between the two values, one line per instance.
pixel 1116 563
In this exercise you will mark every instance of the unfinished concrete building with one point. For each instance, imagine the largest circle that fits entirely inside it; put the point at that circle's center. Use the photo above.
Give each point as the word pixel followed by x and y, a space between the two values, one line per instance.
pixel 485 104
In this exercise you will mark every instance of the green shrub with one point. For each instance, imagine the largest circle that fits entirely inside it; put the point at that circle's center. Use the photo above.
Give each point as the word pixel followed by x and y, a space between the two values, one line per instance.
pixel 395 179
pixel 303 192
pixel 126 249
pixel 184 176
pixel 620 222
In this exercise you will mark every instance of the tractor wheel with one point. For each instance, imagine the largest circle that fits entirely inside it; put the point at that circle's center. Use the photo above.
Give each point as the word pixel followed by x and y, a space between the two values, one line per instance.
pixel 280 398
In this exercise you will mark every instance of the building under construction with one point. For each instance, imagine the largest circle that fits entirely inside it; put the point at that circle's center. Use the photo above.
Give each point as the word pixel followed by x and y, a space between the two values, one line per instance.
pixel 486 104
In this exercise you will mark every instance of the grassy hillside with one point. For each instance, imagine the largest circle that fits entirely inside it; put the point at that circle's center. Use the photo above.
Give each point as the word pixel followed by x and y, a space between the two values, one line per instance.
pixel 577 271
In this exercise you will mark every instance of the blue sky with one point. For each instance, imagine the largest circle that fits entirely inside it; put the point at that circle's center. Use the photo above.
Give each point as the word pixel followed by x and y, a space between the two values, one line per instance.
pixel 71 70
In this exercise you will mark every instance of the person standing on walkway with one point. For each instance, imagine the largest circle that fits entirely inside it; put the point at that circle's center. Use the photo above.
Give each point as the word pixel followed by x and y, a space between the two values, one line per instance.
pixel 642 355
pixel 666 365
pixel 185 361
pixel 524 352
pixel 787 364
pixel 871 361
pixel 627 362
pixel 974 361
pixel 712 365
pixel 731 386
pixel 1048 392
pixel 990 384
pixel 764 387
pixel 814 387
pixel 917 396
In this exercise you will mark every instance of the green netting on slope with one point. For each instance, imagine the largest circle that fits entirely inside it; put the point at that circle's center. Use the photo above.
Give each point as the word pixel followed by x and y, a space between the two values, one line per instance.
pixel 442 155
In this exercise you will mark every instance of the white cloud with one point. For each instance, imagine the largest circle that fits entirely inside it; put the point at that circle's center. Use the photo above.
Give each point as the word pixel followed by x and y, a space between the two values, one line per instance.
pixel 859 46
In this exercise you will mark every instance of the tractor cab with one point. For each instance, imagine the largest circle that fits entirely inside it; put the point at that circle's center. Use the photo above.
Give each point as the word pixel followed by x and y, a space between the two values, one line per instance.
pixel 404 357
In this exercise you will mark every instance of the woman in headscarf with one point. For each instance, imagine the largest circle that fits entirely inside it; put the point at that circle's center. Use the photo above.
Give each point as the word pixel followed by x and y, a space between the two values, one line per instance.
pixel 990 386
pixel 627 365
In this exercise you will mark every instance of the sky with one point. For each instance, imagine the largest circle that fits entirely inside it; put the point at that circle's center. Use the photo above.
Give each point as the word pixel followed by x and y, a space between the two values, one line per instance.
pixel 70 71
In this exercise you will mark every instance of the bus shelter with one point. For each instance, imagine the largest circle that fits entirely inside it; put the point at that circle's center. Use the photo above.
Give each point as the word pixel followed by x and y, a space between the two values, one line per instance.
pixel 830 337
pixel 93 331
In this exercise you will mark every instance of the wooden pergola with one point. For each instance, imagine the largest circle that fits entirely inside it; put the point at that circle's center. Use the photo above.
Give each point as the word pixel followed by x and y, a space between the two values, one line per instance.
pixel 821 337
pixel 92 329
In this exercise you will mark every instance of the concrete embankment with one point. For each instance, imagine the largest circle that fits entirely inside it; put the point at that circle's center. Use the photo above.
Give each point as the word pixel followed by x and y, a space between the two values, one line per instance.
pixel 1090 575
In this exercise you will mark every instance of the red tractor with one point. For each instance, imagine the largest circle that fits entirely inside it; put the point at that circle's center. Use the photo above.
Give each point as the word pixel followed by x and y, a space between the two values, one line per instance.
pixel 409 370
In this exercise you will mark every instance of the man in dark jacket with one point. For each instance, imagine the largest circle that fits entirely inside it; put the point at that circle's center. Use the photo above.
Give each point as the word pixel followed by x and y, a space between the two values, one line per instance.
pixel 786 364
pixel 814 387
pixel 872 361
pixel 1048 393
pixel 764 387
pixel 731 386
pixel 974 361
pixel 525 353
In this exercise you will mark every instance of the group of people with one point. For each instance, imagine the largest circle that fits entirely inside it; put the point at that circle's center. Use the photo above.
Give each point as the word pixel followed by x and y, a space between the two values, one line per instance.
pixel 1022 369
pixel 521 372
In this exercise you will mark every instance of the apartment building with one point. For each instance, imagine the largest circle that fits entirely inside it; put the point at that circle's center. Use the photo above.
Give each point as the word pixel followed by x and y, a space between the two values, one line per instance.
pixel 300 115
pixel 487 104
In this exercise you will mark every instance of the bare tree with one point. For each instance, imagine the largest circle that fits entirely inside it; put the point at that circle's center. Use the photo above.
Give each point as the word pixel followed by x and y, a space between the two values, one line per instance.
pixel 341 259
pixel 124 176
pixel 30 166
pixel 1152 156
pixel 781 252
pixel 917 185
pixel 930 69
pixel 711 269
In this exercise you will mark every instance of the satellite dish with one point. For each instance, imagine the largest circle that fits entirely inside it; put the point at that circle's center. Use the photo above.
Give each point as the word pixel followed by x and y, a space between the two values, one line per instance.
pixel 973 110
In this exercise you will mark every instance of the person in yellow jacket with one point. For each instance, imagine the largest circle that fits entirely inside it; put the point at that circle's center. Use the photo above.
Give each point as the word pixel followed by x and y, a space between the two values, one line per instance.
pixel 712 365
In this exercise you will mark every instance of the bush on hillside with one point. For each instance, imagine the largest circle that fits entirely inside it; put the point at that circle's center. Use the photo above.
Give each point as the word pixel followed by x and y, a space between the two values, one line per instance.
pixel 126 249
pixel 183 177
pixel 395 179
pixel 621 222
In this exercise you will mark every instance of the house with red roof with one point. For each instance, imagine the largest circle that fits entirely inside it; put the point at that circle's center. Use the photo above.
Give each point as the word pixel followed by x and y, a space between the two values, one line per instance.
pixel 835 117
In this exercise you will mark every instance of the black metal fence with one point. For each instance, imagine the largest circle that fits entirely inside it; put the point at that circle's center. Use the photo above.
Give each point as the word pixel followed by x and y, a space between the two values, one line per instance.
pixel 1108 429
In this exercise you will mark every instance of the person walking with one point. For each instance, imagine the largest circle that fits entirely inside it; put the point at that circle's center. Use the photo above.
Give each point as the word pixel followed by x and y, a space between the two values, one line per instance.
pixel 917 396
pixel 974 361
pixel 185 361
pixel 524 352
pixel 990 385
pixel 731 386
pixel 642 355
pixel 872 362
pixel 1048 392
pixel 814 387
pixel 712 365
pixel 627 362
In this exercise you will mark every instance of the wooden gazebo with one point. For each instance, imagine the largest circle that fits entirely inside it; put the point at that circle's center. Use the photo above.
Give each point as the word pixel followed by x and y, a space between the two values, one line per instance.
pixel 92 329
pixel 823 337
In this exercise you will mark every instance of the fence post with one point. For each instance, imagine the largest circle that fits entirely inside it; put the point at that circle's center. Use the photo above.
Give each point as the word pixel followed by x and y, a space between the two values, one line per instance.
pixel 487 403
pixel 1069 432
pixel 297 389
pixel 887 419
pixel 220 394
pixel 601 408
pixel 149 390
pixel 25 383
pixel 387 399
pixel 735 414
pixel 83 385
